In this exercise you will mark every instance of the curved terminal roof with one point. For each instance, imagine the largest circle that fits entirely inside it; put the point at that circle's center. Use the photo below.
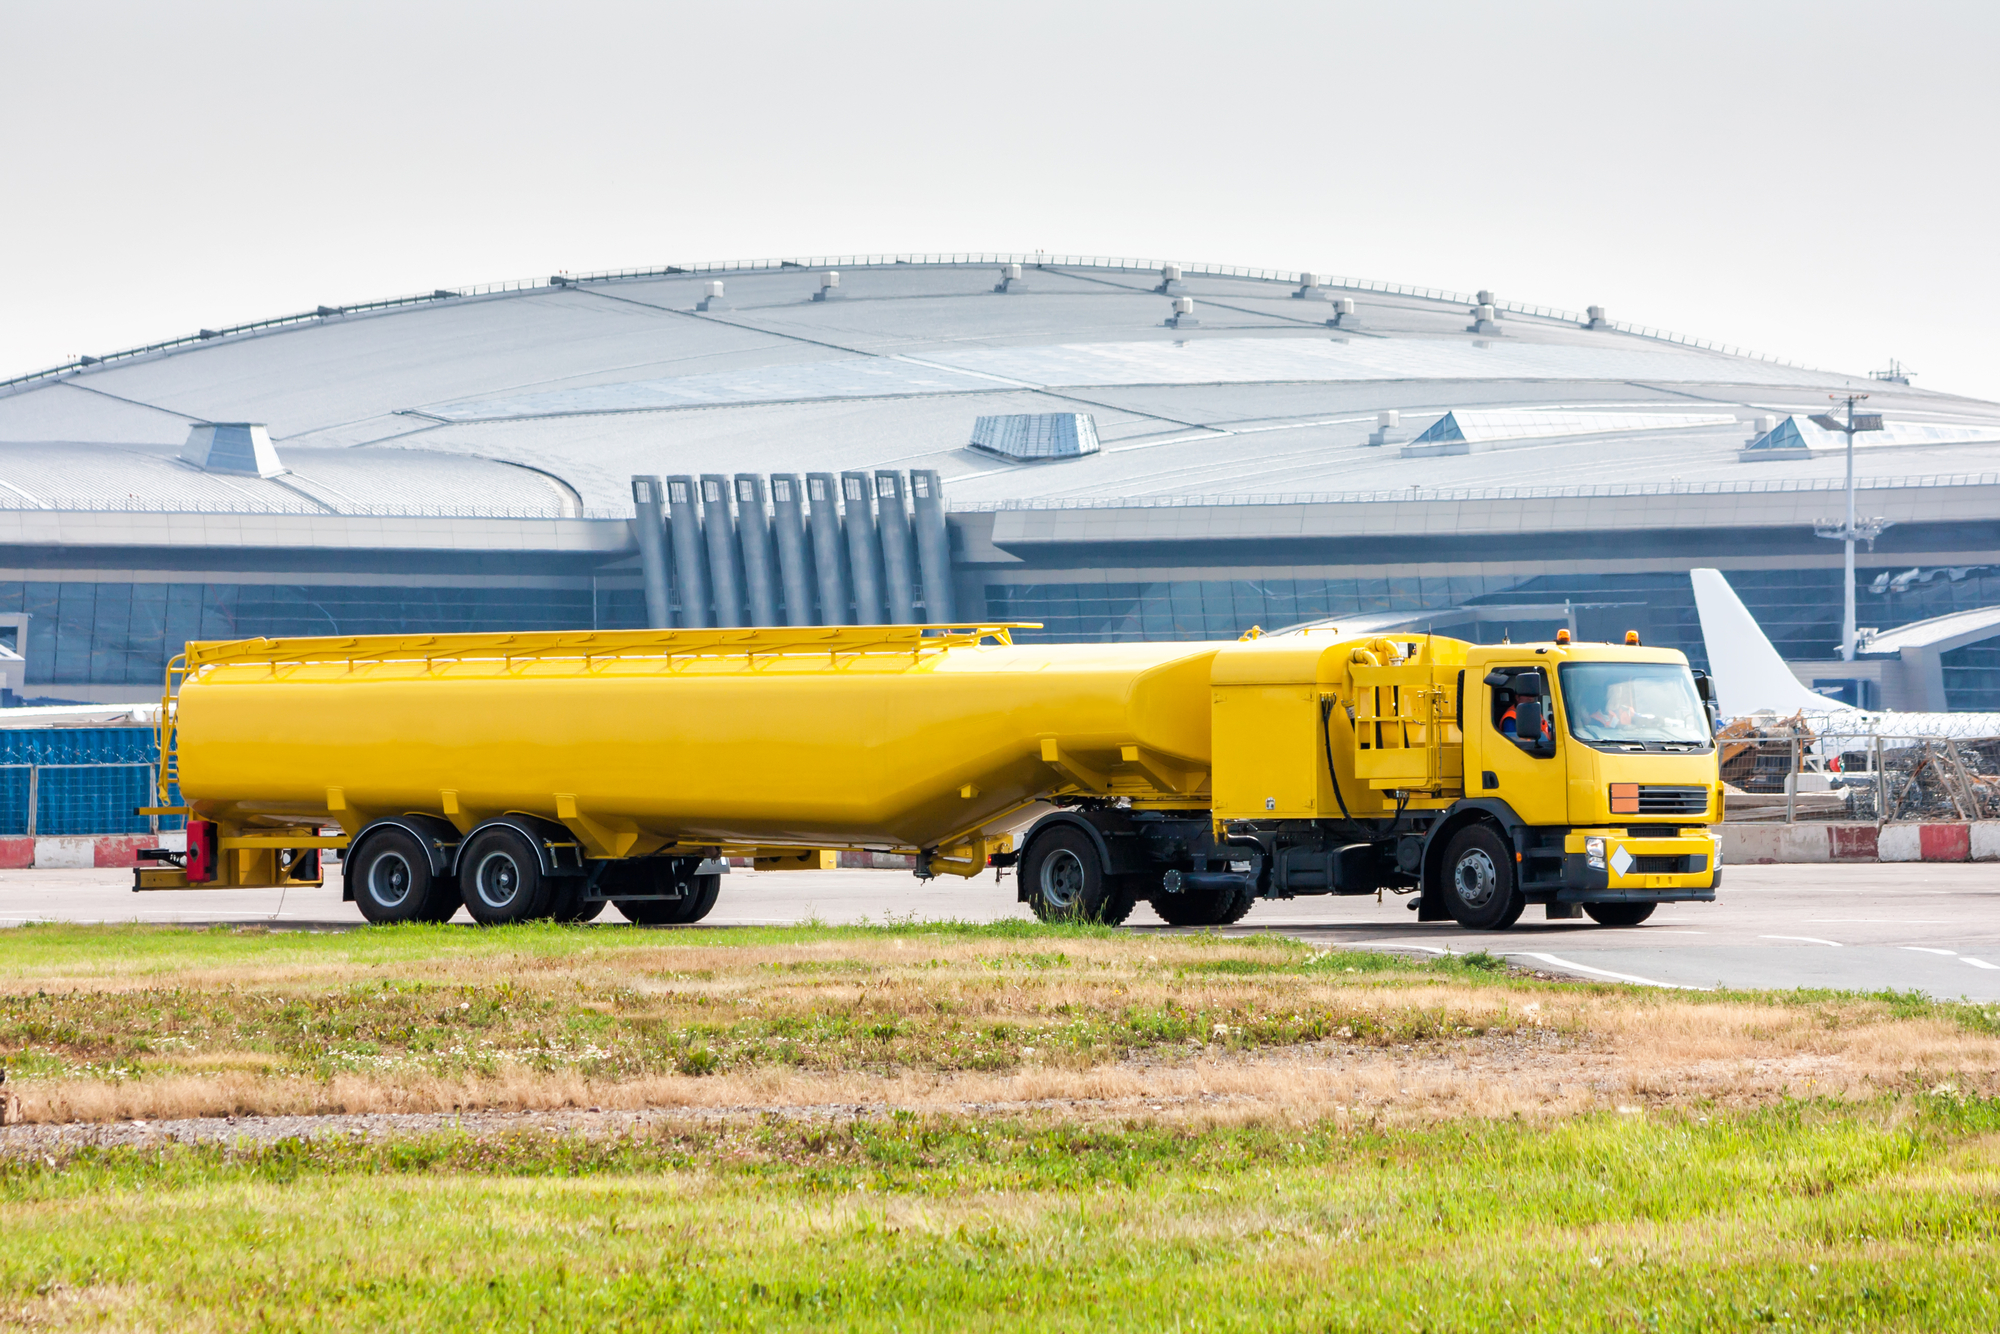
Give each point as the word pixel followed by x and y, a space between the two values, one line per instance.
pixel 544 398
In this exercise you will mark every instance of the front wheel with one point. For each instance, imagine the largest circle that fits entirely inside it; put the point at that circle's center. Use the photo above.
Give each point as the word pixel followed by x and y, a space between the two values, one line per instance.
pixel 1480 888
pixel 1619 914
pixel 1066 880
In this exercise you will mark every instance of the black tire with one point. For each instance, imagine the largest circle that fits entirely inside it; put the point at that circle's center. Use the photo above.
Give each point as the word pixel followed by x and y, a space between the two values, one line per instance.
pixel 568 904
pixel 1619 914
pixel 500 879
pixel 1202 907
pixel 702 891
pixel 392 881
pixel 1066 880
pixel 1479 886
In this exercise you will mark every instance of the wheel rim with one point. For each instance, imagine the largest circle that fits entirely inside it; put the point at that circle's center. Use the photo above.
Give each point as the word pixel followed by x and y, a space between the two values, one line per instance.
pixel 1475 878
pixel 389 879
pixel 1062 879
pixel 497 879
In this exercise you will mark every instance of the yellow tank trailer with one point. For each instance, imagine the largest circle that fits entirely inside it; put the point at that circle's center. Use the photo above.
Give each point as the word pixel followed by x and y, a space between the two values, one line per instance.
pixel 544 775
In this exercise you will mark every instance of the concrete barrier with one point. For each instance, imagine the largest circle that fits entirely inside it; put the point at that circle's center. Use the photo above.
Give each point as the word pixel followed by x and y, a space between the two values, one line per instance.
pixel 1772 844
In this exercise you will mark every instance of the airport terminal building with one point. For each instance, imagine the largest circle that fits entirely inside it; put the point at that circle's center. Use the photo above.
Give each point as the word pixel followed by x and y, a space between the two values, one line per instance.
pixel 1113 448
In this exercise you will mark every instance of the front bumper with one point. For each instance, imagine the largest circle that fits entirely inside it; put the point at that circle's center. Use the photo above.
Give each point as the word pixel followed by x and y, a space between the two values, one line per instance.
pixel 1640 867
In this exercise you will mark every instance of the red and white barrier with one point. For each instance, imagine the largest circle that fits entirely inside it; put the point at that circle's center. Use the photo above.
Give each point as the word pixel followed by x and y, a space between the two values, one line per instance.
pixel 1766 844
pixel 60 851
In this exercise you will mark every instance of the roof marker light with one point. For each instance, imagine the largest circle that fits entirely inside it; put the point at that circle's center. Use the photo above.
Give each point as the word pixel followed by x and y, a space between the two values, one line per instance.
pixel 1632 637
pixel 1562 636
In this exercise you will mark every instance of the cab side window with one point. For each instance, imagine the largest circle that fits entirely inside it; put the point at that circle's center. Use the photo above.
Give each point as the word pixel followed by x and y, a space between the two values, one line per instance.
pixel 1521 708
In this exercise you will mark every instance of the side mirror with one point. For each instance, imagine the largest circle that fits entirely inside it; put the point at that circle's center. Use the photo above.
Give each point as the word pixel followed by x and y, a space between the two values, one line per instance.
pixel 1528 724
pixel 1704 686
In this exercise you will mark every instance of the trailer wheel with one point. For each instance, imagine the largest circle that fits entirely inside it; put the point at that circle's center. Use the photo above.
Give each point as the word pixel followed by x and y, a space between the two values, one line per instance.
pixel 392 880
pixel 1619 914
pixel 1480 888
pixel 1202 907
pixel 1066 880
pixel 501 880
pixel 568 904
pixel 701 895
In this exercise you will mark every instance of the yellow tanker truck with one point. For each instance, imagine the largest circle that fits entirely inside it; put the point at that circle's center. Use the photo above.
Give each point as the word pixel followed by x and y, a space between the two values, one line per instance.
pixel 545 775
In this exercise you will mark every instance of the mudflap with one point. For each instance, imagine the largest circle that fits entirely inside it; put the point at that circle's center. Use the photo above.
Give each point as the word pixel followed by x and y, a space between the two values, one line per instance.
pixel 1430 906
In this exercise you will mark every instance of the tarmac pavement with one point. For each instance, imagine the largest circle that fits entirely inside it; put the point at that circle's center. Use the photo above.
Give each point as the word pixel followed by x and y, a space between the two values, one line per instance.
pixel 1932 927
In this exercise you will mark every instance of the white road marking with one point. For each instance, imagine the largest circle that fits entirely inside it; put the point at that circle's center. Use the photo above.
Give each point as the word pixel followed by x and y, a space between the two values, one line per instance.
pixel 1925 949
pixel 1605 972
pixel 1896 921
pixel 1810 940
pixel 1981 963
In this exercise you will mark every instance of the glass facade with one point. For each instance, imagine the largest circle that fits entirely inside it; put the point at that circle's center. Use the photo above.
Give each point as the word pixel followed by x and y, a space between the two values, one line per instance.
pixel 1799 609
pixel 1972 677
pixel 124 633
pixel 1217 608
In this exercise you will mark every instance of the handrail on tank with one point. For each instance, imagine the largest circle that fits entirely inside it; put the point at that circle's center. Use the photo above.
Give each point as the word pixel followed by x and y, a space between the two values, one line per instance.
pixel 164 728
pixel 589 644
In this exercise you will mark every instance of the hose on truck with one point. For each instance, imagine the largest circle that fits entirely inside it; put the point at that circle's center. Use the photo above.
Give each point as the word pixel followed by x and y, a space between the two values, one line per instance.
pixel 1326 736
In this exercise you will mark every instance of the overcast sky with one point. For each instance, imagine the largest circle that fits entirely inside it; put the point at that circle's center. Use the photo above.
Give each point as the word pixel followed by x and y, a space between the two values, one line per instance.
pixel 1814 181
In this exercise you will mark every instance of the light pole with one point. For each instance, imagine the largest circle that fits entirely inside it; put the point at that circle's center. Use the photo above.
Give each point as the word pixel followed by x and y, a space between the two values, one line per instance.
pixel 1850 531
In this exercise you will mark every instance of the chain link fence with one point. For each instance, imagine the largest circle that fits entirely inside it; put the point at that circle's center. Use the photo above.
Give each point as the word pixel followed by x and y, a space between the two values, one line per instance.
pixel 79 781
pixel 1803 777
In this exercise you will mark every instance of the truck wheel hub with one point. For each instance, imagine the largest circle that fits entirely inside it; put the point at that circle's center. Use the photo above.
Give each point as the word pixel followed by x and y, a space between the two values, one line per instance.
pixel 497 879
pixel 1475 878
pixel 389 879
pixel 1062 878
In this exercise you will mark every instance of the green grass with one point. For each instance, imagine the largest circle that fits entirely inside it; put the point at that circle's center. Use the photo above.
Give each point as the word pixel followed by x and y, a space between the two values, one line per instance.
pixel 1799 1216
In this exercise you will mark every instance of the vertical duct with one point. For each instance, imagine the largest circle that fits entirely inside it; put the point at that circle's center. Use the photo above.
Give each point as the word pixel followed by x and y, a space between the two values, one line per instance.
pixel 649 526
pixel 690 566
pixel 864 551
pixel 753 531
pixel 788 523
pixel 933 545
pixel 720 530
pixel 899 566
pixel 823 489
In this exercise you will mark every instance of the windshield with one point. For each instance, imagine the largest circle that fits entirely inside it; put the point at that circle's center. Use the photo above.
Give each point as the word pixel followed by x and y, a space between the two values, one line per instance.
pixel 1634 702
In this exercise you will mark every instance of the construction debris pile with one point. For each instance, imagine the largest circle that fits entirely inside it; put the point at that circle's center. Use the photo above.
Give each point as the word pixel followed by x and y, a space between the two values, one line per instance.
pixel 1780 769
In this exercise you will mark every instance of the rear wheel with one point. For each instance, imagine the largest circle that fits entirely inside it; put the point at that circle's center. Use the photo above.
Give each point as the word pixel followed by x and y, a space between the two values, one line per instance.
pixel 392 881
pixel 501 880
pixel 1067 883
pixel 1202 907
pixel 694 904
pixel 1619 914
pixel 1479 884
pixel 568 904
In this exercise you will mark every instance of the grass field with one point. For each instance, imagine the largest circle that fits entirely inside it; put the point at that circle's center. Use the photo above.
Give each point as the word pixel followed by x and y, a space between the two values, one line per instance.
pixel 943 1127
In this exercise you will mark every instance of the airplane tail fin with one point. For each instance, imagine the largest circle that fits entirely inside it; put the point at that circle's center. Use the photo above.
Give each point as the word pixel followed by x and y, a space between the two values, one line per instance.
pixel 1749 674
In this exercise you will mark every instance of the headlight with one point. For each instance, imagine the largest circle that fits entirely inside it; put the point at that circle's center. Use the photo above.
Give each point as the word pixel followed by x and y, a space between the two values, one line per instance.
pixel 1593 853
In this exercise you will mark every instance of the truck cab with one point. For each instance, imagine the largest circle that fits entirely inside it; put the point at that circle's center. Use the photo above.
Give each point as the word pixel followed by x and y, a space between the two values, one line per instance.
pixel 1593 766
pixel 1482 779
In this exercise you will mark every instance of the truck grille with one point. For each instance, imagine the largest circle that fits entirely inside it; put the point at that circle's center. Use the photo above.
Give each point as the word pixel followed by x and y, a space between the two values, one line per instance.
pixel 1693 863
pixel 1655 800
